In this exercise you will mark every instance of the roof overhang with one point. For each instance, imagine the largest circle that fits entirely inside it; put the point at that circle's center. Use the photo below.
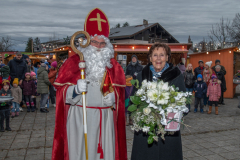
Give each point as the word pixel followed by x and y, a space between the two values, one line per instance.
pixel 144 48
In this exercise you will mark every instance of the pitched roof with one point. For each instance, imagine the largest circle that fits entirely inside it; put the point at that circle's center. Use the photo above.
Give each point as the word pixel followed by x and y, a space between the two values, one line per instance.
pixel 130 31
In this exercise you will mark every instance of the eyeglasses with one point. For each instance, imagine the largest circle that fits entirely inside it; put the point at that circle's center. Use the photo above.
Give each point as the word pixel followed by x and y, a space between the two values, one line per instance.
pixel 102 44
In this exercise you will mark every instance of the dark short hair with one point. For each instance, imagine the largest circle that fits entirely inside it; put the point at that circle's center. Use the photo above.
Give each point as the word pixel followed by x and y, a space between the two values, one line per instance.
pixel 160 45
pixel 217 60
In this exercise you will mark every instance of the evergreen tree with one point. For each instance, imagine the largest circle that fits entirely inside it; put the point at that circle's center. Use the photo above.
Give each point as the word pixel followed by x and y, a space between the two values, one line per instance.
pixel 126 24
pixel 29 45
pixel 118 25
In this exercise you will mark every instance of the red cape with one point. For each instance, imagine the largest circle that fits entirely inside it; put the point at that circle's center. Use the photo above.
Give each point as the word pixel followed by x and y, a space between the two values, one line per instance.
pixel 68 75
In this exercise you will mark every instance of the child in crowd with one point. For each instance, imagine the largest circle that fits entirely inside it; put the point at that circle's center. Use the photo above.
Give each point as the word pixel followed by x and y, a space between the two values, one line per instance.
pixel 17 95
pixel 200 89
pixel 214 93
pixel 28 87
pixel 5 106
pixel 34 78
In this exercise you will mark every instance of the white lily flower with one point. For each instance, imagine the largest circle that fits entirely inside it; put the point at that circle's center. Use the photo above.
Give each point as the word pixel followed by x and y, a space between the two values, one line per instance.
pixel 165 87
pixel 163 98
pixel 140 92
pixel 144 84
pixel 152 95
pixel 189 93
pixel 145 129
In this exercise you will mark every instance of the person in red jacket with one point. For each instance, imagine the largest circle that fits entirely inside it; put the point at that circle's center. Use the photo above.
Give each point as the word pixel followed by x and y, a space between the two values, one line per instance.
pixel 214 93
pixel 52 76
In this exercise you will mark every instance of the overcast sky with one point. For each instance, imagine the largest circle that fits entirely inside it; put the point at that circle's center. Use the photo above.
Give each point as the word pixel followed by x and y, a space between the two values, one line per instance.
pixel 21 19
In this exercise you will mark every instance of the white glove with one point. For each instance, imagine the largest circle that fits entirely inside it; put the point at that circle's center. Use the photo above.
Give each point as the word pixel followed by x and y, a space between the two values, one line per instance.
pixel 81 86
pixel 109 99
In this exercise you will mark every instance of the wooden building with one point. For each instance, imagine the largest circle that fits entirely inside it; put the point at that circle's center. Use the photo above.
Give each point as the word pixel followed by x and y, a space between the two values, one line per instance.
pixel 230 59
pixel 141 34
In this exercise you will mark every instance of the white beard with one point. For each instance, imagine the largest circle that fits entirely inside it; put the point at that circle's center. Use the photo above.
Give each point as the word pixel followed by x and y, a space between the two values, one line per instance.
pixel 96 62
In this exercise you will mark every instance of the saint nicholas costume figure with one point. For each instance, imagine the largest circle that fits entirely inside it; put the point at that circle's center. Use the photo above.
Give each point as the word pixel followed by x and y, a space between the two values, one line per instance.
pixel 105 93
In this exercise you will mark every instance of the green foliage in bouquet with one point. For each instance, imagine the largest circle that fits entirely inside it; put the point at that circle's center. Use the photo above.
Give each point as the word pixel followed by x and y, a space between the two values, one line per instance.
pixel 151 103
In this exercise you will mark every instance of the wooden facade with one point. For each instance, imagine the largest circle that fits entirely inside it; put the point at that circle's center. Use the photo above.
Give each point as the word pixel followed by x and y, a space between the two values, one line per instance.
pixel 226 56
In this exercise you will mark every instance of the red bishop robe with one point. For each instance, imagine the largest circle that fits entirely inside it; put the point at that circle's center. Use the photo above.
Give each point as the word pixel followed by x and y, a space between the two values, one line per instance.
pixel 68 75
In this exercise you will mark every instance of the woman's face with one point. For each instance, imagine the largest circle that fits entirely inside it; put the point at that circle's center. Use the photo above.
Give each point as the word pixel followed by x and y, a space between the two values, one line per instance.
pixel 159 58
pixel 206 66
pixel 189 67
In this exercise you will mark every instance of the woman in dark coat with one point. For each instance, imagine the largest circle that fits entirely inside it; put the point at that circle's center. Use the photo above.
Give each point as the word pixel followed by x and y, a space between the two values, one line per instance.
pixel 159 68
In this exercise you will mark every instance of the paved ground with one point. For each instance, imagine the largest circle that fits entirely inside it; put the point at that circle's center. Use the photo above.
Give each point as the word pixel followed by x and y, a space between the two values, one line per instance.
pixel 210 137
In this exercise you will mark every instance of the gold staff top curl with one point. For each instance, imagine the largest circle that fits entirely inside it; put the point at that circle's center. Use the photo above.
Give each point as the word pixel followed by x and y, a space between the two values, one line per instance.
pixel 80 40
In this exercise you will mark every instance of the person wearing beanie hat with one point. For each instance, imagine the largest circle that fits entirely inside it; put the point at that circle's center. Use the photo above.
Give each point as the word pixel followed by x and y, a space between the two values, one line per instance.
pixel 35 95
pixel 32 74
pixel 200 89
pixel 207 73
pixel 221 77
pixel 223 70
pixel 134 67
pixel 42 86
pixel 15 81
pixel 52 76
pixel 18 68
pixel 198 70
pixel 54 64
pixel 17 95
pixel 214 93
pixel 5 106
pixel 28 88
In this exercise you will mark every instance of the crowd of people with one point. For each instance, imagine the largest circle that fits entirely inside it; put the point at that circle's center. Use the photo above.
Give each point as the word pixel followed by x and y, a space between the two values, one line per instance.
pixel 29 85
pixel 206 82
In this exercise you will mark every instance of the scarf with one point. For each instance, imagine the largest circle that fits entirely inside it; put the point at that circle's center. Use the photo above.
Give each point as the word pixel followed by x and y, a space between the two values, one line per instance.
pixel 156 75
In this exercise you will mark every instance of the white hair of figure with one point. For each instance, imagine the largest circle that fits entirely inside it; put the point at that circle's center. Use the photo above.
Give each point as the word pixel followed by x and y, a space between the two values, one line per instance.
pixel 97 59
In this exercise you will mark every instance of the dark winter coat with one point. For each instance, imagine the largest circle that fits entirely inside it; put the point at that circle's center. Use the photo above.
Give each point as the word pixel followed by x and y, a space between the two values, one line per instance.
pixel 43 82
pixel 5 71
pixel 189 79
pixel 223 70
pixel 132 69
pixel 198 71
pixel 6 105
pixel 28 87
pixel 200 89
pixel 161 150
pixel 18 68
pixel 221 77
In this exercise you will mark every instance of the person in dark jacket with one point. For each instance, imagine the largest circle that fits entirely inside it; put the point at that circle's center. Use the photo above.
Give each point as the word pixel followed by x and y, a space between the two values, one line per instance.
pixel 223 70
pixel 200 89
pixel 35 67
pixel 27 61
pixel 159 68
pixel 189 79
pixel 18 68
pixel 134 67
pixel 42 86
pixel 5 71
pixel 28 88
pixel 5 106
pixel 199 69
pixel 221 77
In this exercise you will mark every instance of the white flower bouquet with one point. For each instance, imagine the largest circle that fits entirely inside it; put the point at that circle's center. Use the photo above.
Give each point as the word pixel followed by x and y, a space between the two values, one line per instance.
pixel 152 104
